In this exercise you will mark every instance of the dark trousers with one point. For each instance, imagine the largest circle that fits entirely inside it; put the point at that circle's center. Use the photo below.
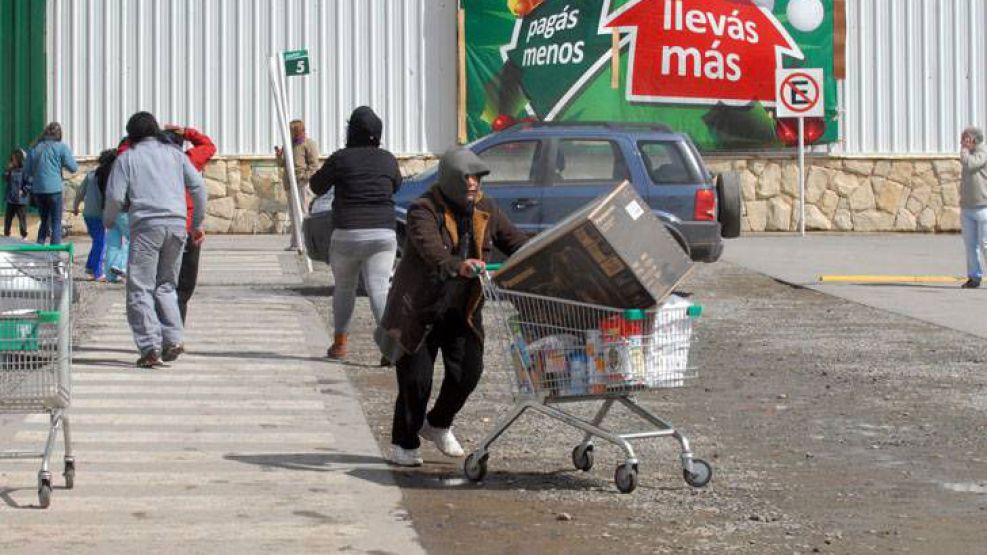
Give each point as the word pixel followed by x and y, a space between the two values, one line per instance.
pixel 50 211
pixel 462 354
pixel 19 210
pixel 187 276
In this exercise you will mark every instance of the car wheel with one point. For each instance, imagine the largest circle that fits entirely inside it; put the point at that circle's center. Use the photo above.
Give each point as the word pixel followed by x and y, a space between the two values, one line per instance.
pixel 730 205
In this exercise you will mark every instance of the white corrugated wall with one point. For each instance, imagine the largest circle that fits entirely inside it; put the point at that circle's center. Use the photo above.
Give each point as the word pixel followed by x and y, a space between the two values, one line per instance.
pixel 204 63
pixel 916 75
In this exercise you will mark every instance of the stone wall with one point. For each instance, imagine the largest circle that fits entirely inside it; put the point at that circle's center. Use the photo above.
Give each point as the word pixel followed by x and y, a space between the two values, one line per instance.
pixel 849 194
pixel 245 195
pixel 842 194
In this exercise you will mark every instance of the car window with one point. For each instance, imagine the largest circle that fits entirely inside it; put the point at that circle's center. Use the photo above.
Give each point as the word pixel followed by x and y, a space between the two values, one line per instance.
pixel 666 164
pixel 586 160
pixel 512 162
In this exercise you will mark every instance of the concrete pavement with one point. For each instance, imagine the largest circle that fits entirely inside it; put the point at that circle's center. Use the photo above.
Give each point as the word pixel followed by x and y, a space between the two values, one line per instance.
pixel 800 260
pixel 250 443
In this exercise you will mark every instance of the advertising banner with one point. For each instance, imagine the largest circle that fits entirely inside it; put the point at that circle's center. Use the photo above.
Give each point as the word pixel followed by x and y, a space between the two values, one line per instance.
pixel 703 67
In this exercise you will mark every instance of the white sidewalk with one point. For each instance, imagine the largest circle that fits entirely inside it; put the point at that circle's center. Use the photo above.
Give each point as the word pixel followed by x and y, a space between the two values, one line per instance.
pixel 250 443
pixel 801 260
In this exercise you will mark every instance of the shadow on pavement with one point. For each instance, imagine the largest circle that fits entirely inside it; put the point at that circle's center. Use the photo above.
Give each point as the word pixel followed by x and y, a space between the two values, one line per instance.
pixel 262 355
pixel 310 462
pixel 9 501
pixel 429 478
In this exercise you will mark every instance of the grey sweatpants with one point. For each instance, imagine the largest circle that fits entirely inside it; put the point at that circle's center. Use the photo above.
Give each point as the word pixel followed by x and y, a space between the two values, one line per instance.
pixel 152 272
pixel 366 252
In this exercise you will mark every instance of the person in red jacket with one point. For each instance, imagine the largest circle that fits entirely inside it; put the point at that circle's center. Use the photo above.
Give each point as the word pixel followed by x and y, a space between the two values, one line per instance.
pixel 199 154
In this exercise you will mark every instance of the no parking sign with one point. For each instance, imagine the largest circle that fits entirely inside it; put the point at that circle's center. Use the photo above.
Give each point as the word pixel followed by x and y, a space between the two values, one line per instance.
pixel 799 93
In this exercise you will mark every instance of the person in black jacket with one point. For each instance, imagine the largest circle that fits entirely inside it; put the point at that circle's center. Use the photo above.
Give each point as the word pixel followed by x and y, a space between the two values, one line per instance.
pixel 364 178
pixel 436 303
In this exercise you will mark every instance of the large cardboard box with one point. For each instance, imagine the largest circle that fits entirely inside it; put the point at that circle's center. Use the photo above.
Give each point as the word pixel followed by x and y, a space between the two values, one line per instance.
pixel 613 252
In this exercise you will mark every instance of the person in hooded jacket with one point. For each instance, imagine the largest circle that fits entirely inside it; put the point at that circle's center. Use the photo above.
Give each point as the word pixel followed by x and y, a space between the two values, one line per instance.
pixel 149 181
pixel 364 178
pixel 435 303
pixel 201 151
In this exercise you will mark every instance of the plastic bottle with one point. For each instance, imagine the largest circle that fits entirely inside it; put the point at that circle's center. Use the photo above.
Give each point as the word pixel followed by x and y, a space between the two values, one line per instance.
pixel 578 373
pixel 521 358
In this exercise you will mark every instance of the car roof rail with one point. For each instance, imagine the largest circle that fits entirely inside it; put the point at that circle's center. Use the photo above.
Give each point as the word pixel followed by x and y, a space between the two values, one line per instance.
pixel 617 125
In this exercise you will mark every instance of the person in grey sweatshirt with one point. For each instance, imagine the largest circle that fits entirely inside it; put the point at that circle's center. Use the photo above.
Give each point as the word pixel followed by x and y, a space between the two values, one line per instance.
pixel 973 203
pixel 149 181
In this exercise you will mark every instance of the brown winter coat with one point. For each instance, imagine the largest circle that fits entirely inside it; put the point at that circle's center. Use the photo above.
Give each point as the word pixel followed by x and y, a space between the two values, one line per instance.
pixel 429 263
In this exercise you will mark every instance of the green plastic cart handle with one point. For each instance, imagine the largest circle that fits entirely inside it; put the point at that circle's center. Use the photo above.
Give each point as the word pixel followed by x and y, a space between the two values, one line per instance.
pixel 694 311
pixel 67 247
pixel 493 267
pixel 49 316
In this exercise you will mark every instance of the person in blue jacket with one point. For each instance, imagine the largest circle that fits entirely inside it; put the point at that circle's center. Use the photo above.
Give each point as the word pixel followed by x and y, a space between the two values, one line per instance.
pixel 45 164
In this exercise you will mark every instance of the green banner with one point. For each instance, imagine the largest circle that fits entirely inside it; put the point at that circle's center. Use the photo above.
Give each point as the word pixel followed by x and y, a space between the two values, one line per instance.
pixel 704 67
pixel 22 76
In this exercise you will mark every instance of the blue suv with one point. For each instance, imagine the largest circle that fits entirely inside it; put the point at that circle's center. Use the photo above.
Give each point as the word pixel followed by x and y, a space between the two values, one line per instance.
pixel 542 172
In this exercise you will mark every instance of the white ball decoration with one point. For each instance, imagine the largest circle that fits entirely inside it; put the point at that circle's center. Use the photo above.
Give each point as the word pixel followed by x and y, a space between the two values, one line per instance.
pixel 806 15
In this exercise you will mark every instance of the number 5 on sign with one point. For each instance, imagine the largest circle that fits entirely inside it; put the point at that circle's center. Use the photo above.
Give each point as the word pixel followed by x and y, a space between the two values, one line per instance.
pixel 296 62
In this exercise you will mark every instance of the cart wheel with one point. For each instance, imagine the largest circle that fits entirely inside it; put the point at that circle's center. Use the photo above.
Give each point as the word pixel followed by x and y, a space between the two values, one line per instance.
pixel 700 475
pixel 626 478
pixel 44 494
pixel 476 467
pixel 69 473
pixel 582 457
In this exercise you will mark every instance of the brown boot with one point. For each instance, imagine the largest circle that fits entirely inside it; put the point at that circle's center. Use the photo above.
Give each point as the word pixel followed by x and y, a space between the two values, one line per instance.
pixel 338 348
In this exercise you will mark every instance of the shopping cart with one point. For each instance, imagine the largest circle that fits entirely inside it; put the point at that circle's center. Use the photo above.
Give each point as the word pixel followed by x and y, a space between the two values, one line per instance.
pixel 36 346
pixel 569 352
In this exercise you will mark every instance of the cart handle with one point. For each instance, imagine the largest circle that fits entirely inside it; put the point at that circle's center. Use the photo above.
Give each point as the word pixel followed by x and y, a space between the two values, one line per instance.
pixel 43 316
pixel 67 247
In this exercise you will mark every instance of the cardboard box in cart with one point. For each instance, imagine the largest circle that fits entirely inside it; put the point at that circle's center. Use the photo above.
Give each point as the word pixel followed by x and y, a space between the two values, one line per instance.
pixel 613 252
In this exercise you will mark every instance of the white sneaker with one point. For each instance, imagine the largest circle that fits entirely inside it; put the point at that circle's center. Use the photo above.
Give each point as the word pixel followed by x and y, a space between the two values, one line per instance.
pixel 443 439
pixel 405 457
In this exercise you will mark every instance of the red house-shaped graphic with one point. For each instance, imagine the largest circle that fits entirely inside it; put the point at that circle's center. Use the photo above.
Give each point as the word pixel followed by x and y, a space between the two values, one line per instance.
pixel 701 51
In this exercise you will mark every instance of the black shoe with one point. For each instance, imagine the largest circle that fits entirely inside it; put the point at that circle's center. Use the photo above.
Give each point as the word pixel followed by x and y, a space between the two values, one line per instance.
pixel 149 359
pixel 171 352
pixel 385 362
pixel 971 283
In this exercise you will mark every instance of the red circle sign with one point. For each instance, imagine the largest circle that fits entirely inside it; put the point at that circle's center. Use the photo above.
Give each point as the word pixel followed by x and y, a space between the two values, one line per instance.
pixel 810 98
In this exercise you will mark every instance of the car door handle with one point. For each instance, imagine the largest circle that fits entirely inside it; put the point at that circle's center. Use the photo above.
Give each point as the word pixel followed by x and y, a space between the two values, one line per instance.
pixel 524 203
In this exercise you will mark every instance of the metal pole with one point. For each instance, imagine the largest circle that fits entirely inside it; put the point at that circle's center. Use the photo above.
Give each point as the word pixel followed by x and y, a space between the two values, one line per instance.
pixel 802 176
pixel 281 104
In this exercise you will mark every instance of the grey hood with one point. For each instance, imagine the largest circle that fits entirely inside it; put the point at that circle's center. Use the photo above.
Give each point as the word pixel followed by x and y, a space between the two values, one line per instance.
pixel 456 164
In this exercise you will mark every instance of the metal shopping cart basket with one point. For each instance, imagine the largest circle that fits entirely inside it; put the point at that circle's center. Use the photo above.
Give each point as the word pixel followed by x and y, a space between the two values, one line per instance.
pixel 36 346
pixel 569 352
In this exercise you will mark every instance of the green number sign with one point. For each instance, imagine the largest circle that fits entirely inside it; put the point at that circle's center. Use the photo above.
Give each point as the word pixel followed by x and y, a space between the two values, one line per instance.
pixel 296 62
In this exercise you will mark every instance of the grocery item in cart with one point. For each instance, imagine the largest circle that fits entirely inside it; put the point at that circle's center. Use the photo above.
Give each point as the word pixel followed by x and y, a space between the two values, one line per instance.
pixel 520 357
pixel 596 359
pixel 623 348
pixel 613 252
pixel 668 353
pixel 550 355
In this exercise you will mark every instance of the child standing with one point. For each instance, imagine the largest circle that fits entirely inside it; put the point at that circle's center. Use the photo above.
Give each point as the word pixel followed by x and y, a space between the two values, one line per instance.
pixel 18 191
pixel 117 245
pixel 91 193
